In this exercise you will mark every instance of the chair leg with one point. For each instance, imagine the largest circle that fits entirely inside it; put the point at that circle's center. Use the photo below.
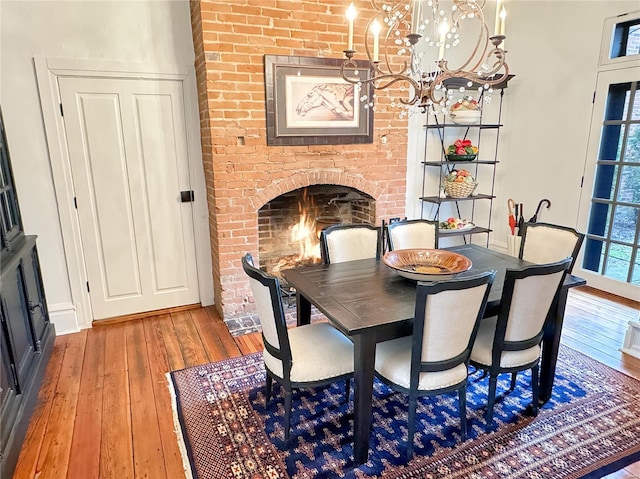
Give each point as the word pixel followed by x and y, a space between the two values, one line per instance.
pixel 462 406
pixel 287 414
pixel 493 380
pixel 534 389
pixel 348 389
pixel 267 394
pixel 513 381
pixel 411 426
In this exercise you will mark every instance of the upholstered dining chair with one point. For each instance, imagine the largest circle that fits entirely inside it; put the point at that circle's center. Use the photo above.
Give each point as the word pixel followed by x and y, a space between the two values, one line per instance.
pixel 410 234
pixel 510 342
pixel 341 242
pixel 305 356
pixel 434 359
pixel 544 243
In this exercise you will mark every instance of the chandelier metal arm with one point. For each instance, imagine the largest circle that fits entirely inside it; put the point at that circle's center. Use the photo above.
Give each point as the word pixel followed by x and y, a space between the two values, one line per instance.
pixel 383 80
pixel 484 35
pixel 485 66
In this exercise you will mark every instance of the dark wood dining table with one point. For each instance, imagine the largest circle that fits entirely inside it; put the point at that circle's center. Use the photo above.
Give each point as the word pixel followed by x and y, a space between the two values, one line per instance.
pixel 369 302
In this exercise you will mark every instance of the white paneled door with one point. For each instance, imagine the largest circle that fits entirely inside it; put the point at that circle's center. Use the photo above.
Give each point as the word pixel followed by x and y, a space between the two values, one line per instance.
pixel 128 153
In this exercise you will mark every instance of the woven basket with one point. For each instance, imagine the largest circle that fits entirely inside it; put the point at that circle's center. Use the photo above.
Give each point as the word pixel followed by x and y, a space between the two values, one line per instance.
pixel 459 190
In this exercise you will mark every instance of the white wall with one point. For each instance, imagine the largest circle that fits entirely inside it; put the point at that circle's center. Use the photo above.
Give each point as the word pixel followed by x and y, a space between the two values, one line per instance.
pixel 553 49
pixel 150 32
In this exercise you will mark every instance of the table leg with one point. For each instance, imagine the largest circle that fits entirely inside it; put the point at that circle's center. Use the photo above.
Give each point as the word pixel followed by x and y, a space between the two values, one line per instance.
pixel 303 310
pixel 551 345
pixel 364 356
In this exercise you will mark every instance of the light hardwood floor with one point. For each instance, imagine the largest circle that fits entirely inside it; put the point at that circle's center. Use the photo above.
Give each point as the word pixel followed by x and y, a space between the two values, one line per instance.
pixel 104 410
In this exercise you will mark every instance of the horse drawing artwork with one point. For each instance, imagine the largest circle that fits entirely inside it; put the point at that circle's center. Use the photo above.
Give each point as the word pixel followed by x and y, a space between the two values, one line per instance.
pixel 335 97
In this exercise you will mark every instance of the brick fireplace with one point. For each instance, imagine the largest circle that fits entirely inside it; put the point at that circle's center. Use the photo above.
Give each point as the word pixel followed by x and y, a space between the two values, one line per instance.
pixel 244 175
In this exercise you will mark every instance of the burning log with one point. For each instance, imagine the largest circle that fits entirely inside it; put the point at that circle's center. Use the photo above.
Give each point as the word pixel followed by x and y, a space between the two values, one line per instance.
pixel 292 261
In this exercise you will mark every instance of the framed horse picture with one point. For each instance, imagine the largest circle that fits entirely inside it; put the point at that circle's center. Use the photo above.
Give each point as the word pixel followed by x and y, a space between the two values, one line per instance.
pixel 309 102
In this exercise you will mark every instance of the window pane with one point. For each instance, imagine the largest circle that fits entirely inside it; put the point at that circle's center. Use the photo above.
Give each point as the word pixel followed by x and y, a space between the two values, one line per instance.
pixel 633 41
pixel 635 111
pixel 599 219
pixel 635 277
pixel 629 191
pixel 632 150
pixel 626 104
pixel 3 174
pixel 617 101
pixel 624 225
pixel 626 39
pixel 605 183
pixel 618 262
pixel 6 212
pixel 611 145
pixel 593 255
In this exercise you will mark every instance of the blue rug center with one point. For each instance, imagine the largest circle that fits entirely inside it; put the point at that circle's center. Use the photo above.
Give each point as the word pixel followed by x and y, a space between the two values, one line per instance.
pixel 322 422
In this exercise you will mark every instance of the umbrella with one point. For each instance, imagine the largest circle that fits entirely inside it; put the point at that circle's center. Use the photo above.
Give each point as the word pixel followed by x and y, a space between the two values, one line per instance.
pixel 520 219
pixel 534 218
pixel 512 219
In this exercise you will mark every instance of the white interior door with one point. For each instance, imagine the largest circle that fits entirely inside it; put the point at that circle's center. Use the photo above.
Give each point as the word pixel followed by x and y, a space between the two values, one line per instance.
pixel 128 153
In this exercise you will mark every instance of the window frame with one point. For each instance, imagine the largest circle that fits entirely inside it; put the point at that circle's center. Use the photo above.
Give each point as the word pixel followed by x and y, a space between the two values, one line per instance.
pixel 608 37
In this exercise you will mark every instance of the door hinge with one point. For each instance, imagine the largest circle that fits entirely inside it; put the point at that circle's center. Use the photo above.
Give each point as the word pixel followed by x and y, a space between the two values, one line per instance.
pixel 61 110
pixel 581 181
pixel 593 100
pixel 187 196
pixel 88 290
pixel 75 202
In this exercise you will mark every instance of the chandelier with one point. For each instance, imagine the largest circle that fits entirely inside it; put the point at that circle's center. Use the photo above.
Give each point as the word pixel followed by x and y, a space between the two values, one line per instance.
pixel 402 38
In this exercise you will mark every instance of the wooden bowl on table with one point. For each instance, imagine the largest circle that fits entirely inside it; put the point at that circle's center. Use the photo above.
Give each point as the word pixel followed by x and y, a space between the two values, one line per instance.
pixel 426 264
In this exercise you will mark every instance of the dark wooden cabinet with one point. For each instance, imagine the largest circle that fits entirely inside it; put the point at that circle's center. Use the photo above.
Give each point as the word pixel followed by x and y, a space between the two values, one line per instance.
pixel 26 334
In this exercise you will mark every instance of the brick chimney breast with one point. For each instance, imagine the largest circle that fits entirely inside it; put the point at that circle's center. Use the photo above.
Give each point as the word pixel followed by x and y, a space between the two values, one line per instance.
pixel 230 40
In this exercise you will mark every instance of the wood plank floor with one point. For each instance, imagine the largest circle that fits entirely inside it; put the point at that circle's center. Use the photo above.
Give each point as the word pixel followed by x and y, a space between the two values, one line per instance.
pixel 104 411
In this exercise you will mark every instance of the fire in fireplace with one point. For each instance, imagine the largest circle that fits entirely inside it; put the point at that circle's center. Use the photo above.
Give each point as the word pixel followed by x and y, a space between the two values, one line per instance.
pixel 289 226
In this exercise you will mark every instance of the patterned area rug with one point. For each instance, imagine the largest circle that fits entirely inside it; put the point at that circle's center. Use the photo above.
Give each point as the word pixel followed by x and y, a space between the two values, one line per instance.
pixel 590 427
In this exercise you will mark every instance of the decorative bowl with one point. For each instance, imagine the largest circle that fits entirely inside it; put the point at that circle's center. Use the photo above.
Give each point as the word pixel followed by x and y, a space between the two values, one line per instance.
pixel 426 264
pixel 466 117
pixel 461 157
pixel 466 227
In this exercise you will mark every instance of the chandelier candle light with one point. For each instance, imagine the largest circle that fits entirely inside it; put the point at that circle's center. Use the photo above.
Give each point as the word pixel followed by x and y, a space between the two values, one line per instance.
pixel 413 31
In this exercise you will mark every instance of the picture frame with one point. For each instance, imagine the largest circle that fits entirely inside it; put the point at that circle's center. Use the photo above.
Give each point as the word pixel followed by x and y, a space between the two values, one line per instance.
pixel 308 102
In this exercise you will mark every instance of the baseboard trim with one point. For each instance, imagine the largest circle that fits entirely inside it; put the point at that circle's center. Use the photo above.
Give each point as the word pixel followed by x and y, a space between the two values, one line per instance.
pixel 632 340
pixel 63 316
pixel 146 314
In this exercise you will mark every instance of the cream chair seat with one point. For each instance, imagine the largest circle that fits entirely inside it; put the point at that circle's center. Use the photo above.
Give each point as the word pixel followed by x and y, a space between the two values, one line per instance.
pixel 309 361
pixel 483 352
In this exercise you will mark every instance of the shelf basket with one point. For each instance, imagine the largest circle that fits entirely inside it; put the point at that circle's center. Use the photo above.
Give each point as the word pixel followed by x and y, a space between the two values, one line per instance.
pixel 459 190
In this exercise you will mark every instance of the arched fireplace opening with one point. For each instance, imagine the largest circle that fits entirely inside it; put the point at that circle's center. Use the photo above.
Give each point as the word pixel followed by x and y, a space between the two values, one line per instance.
pixel 289 225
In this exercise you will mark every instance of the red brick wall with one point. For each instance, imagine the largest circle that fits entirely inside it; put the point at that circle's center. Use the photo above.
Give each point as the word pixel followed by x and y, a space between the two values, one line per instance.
pixel 242 173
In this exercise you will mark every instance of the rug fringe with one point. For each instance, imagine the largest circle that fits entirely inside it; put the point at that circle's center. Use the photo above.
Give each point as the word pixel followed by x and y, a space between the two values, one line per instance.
pixel 177 429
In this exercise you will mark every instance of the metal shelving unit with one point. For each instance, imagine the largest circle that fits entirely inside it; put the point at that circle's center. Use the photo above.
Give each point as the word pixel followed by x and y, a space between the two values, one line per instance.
pixel 446 133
